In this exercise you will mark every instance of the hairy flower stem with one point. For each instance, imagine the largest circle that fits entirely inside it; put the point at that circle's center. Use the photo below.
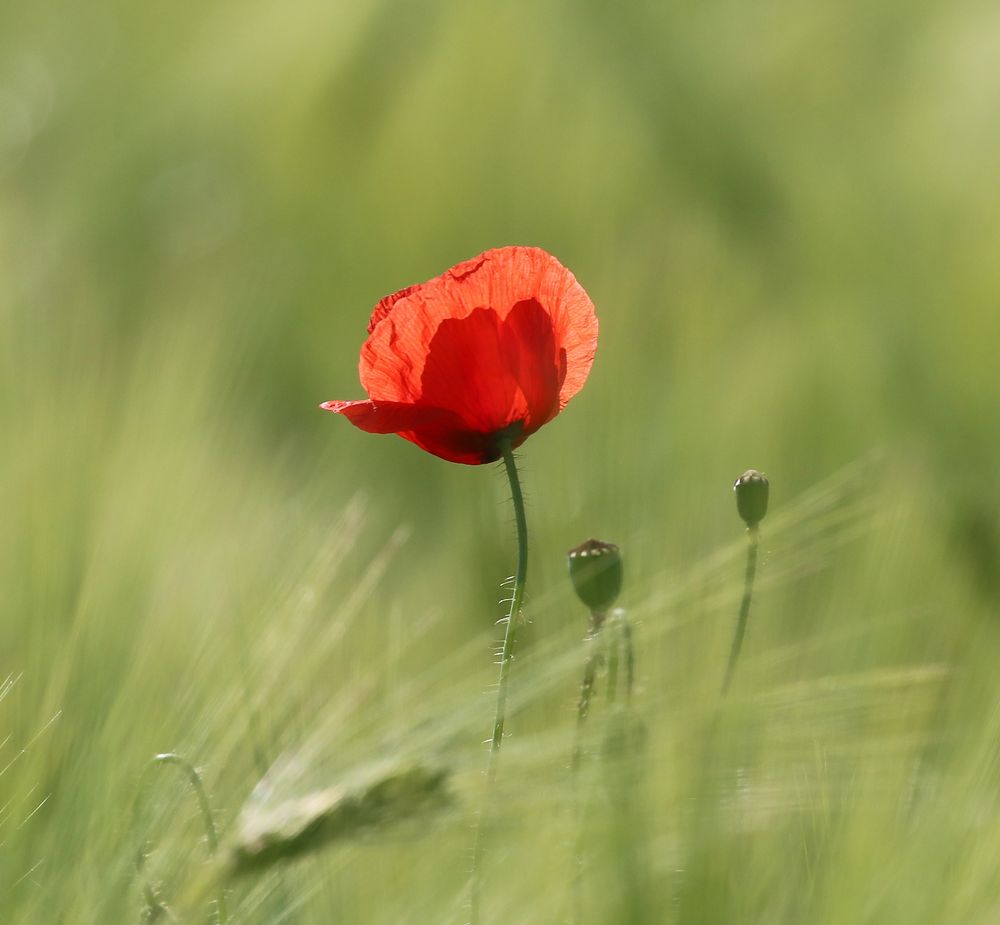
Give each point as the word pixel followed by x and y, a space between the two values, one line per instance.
pixel 516 599
pixel 506 657
pixel 753 534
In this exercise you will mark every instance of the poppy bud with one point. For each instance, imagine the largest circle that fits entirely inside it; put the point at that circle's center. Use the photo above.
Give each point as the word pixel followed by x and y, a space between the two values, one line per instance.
pixel 595 569
pixel 751 497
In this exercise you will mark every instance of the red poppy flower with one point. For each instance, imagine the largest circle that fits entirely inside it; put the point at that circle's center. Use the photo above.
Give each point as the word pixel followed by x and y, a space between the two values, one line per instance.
pixel 494 347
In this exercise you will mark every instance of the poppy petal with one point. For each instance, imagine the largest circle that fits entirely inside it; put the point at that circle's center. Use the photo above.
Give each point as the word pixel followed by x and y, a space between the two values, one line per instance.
pixel 403 325
pixel 530 354
pixel 466 370
pixel 504 277
pixel 435 430
pixel 385 417
pixel 385 306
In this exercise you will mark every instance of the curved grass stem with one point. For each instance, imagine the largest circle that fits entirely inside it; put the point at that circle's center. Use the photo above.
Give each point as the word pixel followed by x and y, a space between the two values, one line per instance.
pixel 154 907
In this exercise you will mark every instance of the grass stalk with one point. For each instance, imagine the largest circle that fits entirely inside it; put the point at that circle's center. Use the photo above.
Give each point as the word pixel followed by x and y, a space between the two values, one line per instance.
pixel 155 909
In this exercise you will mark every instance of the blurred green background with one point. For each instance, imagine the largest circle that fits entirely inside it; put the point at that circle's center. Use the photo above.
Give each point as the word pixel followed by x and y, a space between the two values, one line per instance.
pixel 788 217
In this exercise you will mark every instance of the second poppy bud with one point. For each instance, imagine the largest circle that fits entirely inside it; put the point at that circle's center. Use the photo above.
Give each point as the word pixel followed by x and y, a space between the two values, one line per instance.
pixel 595 569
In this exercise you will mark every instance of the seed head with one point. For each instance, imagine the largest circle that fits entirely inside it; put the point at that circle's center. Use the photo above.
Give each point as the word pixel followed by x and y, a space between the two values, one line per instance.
pixel 595 569
pixel 751 497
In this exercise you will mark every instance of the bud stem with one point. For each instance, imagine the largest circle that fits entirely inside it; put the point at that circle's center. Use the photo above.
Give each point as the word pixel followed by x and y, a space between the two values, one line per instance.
pixel 506 657
pixel 595 656
pixel 590 667
pixel 753 534
pixel 629 647
pixel 613 671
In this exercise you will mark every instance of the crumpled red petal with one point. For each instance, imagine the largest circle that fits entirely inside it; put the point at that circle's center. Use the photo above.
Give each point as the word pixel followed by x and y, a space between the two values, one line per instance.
pixel 435 430
pixel 495 345
pixel 403 325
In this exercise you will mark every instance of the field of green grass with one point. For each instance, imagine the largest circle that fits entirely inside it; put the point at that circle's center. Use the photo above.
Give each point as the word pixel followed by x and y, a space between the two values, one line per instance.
pixel 788 218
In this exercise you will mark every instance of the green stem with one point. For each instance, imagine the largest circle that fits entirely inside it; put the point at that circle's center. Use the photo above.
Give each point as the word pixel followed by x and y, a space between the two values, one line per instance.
pixel 211 835
pixel 506 657
pixel 613 655
pixel 516 599
pixel 590 666
pixel 741 624
pixel 629 646
pixel 593 661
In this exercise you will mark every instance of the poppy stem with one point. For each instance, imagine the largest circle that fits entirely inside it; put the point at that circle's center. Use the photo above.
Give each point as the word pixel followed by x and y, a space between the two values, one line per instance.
pixel 506 657
pixel 516 599
pixel 753 533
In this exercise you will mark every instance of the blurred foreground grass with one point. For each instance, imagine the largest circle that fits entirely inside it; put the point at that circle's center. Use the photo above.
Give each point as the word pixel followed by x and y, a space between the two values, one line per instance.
pixel 787 216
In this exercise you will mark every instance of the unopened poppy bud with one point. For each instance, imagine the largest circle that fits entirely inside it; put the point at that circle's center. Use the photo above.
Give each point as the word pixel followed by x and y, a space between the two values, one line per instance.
pixel 751 496
pixel 595 569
